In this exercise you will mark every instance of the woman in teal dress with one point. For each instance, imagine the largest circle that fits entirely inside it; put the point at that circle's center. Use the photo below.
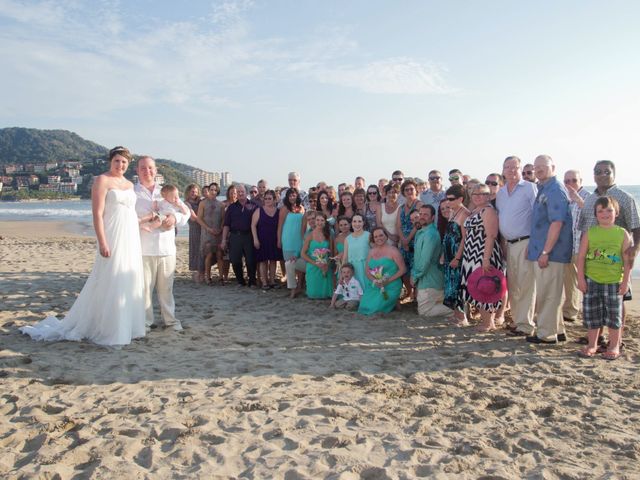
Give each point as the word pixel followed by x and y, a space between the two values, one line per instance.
pixel 356 248
pixel 290 237
pixel 316 251
pixel 382 290
pixel 344 230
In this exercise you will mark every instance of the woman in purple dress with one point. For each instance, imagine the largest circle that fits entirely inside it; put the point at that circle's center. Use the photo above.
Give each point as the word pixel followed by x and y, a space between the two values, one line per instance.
pixel 264 227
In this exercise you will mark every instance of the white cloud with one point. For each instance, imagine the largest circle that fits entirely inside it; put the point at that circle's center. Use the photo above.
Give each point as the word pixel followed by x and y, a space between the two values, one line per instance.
pixel 74 58
pixel 392 76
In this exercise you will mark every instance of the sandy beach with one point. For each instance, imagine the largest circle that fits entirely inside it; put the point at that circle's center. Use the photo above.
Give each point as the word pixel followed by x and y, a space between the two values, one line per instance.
pixel 260 386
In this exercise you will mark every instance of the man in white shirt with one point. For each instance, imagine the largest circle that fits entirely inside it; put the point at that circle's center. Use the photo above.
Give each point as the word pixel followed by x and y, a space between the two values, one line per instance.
pixel 158 247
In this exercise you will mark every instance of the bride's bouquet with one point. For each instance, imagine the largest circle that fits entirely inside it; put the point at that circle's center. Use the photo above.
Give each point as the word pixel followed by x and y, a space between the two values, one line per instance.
pixel 379 276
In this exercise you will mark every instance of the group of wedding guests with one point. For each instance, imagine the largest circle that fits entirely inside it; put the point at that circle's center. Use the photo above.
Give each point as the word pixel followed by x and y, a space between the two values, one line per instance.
pixel 509 243
pixel 540 248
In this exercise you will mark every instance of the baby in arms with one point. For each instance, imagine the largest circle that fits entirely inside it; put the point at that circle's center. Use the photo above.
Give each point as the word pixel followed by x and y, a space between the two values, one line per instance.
pixel 169 205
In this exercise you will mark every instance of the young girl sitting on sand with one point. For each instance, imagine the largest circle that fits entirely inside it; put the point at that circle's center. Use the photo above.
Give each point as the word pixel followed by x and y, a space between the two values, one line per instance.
pixel 348 289
pixel 603 277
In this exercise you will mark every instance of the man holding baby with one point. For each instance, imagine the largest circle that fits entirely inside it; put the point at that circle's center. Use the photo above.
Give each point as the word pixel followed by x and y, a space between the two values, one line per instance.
pixel 158 247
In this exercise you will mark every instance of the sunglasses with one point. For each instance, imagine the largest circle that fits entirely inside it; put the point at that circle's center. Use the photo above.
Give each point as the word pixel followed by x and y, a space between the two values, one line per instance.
pixel 397 179
pixel 454 177
pixel 480 193
pixel 491 183
pixel 597 171
pixel 571 180
pixel 433 179
pixel 253 192
pixel 372 193
pixel 528 172
pixel 452 199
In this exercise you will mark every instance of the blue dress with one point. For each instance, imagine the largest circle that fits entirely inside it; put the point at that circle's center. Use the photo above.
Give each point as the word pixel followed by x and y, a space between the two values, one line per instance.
pixel 373 300
pixel 319 284
pixel 358 251
pixel 292 235
pixel 452 276
pixel 406 226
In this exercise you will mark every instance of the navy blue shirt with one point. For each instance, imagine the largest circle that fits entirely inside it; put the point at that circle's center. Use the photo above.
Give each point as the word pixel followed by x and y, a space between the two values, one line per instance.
pixel 238 217
pixel 552 205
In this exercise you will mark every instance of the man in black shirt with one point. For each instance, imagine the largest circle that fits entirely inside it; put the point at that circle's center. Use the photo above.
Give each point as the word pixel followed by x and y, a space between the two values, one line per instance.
pixel 237 232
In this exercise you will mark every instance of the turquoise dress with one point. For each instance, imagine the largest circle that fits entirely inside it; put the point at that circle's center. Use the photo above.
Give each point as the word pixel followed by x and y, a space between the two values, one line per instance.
pixel 358 251
pixel 292 235
pixel 373 300
pixel 339 249
pixel 319 285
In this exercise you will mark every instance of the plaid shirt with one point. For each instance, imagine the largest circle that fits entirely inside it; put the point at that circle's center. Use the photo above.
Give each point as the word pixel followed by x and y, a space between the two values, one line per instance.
pixel 628 218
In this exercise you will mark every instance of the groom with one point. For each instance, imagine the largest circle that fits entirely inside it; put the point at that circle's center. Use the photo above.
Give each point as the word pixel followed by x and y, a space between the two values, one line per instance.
pixel 158 248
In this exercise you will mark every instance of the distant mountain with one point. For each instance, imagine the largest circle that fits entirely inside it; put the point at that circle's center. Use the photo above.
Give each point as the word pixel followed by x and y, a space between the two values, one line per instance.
pixel 30 145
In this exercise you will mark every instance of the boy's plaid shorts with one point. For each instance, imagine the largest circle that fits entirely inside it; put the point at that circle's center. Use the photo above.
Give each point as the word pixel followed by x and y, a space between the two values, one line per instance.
pixel 602 305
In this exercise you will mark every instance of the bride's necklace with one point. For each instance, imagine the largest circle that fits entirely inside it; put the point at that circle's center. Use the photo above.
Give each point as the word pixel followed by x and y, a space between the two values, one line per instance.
pixel 452 217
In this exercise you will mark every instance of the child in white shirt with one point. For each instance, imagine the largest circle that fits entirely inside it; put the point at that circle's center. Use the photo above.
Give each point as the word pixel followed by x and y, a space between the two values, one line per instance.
pixel 348 289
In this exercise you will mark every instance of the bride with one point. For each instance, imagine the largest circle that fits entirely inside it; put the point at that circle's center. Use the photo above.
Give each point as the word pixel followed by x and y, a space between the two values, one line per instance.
pixel 110 307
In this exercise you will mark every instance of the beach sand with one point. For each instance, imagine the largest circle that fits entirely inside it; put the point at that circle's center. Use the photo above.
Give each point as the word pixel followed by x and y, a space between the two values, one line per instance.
pixel 260 386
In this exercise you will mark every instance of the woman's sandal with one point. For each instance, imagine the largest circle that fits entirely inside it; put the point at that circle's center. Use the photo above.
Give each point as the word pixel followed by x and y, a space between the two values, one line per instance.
pixel 611 355
pixel 585 353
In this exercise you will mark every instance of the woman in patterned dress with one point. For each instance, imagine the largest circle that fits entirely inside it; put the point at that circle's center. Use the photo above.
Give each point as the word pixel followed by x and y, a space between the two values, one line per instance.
pixel 452 248
pixel 407 230
pixel 481 249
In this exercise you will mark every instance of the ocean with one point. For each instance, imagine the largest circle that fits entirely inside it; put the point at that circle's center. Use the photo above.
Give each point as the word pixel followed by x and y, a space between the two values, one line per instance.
pixel 79 212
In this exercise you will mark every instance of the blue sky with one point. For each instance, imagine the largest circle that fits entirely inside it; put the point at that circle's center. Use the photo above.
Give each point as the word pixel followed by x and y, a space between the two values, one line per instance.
pixel 332 89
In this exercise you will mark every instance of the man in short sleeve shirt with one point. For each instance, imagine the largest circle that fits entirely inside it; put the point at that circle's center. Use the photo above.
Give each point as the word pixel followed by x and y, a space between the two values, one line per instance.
pixel 514 203
pixel 577 196
pixel 550 249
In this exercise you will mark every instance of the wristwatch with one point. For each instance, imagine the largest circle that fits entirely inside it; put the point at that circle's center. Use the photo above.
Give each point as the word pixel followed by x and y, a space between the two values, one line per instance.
pixel 544 252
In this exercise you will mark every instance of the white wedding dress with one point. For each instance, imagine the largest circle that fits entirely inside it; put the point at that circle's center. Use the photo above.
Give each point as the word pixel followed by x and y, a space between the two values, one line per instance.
pixel 110 307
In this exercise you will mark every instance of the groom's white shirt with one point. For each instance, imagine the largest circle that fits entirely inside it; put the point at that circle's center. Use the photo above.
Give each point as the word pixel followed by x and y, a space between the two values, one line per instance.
pixel 157 243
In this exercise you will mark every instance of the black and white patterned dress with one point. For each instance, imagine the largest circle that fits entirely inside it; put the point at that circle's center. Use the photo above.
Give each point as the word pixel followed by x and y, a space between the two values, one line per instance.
pixel 472 257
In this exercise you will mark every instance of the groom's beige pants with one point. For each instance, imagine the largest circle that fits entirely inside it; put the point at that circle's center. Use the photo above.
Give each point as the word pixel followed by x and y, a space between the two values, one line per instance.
pixel 158 274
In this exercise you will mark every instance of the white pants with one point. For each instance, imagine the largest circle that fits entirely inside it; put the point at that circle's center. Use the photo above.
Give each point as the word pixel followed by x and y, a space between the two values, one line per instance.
pixel 158 274
pixel 430 303
pixel 521 281
pixel 573 296
pixel 549 299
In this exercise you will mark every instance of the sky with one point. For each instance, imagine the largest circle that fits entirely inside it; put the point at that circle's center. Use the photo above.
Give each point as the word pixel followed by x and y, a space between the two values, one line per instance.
pixel 332 89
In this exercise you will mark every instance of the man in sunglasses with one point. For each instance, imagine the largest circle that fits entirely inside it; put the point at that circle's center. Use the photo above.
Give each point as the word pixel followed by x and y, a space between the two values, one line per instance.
pixel 435 193
pixel 397 177
pixel 577 196
pixel 604 174
pixel 528 174
pixel 494 181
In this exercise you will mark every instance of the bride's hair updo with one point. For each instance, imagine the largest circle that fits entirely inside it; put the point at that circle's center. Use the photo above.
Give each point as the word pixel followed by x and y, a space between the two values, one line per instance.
pixel 124 151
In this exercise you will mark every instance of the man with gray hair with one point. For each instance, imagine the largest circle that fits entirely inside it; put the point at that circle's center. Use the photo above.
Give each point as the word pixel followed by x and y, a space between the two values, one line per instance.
pixel 550 249
pixel 577 196
pixel 514 203
pixel 294 182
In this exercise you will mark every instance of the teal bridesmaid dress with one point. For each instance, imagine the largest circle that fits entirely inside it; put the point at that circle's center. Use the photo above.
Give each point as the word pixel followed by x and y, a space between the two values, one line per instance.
pixel 358 251
pixel 373 300
pixel 319 285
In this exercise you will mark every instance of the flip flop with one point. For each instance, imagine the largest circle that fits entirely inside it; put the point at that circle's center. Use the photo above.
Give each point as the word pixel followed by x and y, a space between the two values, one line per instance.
pixel 585 354
pixel 611 355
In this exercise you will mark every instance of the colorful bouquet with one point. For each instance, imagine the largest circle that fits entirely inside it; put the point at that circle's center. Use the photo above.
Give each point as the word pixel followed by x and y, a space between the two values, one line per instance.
pixel 378 275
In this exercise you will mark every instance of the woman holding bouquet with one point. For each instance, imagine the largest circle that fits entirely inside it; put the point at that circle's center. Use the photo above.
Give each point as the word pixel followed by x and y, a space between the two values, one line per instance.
pixel 316 251
pixel 385 268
